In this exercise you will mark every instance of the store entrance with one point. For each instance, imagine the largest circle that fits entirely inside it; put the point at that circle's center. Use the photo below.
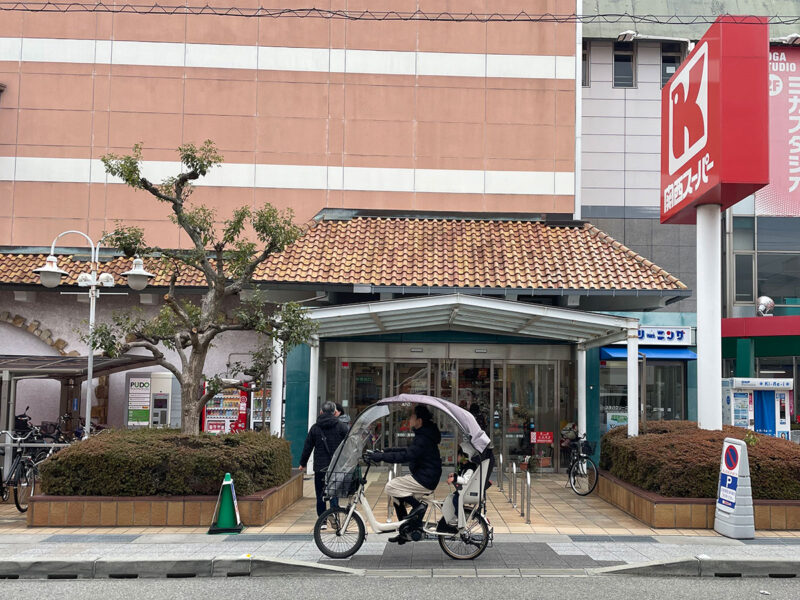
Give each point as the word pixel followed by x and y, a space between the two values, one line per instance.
pixel 526 414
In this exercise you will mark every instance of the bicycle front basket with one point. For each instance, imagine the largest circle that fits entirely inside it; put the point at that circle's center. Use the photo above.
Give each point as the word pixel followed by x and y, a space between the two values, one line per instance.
pixel 342 484
pixel 587 447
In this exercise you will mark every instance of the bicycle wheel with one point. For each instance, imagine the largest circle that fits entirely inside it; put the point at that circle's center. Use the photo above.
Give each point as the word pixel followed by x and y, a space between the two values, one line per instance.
pixel 583 476
pixel 469 543
pixel 332 540
pixel 25 487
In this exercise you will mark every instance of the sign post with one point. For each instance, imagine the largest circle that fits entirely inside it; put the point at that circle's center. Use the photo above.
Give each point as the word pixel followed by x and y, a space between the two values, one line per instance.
pixel 713 154
pixel 734 516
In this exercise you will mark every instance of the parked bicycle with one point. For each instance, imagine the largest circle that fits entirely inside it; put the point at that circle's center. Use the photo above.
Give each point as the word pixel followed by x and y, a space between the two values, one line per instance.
pixel 24 471
pixel 582 473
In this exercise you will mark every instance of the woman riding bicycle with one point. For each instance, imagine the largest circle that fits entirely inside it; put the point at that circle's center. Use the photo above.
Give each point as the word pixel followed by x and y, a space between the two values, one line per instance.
pixel 424 463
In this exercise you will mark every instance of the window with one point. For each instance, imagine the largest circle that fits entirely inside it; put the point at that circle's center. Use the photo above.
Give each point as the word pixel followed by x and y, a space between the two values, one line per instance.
pixel 779 277
pixel 671 56
pixel 744 277
pixel 743 233
pixel 624 65
pixel 778 234
pixel 585 81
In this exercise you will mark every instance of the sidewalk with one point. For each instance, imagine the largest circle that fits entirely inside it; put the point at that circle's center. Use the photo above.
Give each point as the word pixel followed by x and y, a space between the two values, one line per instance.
pixel 568 534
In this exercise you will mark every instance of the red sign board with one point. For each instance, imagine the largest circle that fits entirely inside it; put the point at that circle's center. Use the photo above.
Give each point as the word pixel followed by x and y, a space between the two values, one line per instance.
pixel 781 198
pixel 541 437
pixel 714 112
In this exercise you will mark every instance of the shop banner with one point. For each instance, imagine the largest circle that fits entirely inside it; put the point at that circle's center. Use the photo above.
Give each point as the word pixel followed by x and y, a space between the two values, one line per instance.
pixel 139 401
pixel 781 198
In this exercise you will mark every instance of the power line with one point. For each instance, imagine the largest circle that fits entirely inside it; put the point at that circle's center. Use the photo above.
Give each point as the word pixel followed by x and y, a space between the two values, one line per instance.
pixel 371 15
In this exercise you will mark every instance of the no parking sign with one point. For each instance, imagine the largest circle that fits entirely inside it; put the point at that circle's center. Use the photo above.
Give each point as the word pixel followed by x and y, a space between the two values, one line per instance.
pixel 734 516
pixel 728 478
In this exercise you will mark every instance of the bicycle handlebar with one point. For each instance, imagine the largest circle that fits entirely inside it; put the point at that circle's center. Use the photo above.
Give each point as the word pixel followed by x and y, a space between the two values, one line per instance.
pixel 16 439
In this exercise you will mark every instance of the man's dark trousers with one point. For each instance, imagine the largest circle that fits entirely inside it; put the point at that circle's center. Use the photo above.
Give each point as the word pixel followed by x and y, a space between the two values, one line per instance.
pixel 319 487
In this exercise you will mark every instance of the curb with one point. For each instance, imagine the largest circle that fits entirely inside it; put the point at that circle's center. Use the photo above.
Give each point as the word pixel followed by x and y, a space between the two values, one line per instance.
pixel 703 566
pixel 222 566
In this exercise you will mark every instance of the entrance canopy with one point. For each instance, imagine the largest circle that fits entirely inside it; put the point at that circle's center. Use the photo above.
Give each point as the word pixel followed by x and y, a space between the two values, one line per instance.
pixel 458 312
pixel 471 313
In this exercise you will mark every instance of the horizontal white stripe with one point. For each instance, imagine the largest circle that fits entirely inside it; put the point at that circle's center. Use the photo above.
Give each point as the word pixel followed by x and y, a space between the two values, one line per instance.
pixel 309 177
pixel 277 58
pixel 6 168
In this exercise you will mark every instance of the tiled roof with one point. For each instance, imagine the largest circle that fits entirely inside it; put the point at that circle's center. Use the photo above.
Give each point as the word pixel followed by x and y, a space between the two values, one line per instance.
pixel 421 252
pixel 464 253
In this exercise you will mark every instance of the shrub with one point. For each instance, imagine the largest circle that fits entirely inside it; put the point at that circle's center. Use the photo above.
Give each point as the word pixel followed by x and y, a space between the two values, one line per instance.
pixel 676 459
pixel 163 462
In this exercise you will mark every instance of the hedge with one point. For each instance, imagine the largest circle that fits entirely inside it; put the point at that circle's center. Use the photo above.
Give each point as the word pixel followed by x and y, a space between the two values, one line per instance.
pixel 163 462
pixel 676 459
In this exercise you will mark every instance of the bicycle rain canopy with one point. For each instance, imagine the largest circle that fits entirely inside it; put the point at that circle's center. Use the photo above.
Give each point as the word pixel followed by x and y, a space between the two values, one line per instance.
pixel 345 458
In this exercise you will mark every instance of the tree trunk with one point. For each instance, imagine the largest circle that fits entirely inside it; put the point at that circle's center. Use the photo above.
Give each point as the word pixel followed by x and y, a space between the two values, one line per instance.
pixel 192 392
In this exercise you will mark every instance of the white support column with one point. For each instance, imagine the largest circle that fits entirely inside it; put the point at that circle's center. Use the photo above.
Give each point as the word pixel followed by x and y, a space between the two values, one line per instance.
pixel 276 411
pixel 313 381
pixel 709 317
pixel 633 382
pixel 581 389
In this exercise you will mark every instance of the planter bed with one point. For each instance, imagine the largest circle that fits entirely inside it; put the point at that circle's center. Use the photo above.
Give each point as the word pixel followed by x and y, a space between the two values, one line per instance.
pixel 689 513
pixel 157 511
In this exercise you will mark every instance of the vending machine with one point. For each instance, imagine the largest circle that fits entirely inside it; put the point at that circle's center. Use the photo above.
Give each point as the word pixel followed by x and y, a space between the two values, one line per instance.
pixel 226 412
pixel 261 408
pixel 760 404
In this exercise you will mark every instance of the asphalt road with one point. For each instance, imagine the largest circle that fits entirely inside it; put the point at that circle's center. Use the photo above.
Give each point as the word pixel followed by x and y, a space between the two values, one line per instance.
pixel 375 588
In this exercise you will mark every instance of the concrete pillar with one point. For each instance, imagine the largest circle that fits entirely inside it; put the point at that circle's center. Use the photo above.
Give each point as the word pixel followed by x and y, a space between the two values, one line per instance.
pixel 709 317
pixel 633 382
pixel 313 381
pixel 581 369
pixel 276 410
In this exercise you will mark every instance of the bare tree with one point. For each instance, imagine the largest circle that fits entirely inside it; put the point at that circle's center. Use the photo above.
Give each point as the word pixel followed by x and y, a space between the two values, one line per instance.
pixel 227 257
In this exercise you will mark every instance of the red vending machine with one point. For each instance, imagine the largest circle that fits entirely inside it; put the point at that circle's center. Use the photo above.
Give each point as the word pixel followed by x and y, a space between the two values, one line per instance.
pixel 226 412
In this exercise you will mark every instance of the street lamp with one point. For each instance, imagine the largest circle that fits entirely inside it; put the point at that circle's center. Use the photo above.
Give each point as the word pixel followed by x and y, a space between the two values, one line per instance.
pixel 630 35
pixel 50 276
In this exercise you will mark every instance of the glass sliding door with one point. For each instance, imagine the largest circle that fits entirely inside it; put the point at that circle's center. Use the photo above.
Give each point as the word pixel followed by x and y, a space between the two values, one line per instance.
pixel 531 413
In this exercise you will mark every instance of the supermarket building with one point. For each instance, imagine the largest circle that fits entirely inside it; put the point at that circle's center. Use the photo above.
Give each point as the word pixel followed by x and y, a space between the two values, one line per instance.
pixel 435 163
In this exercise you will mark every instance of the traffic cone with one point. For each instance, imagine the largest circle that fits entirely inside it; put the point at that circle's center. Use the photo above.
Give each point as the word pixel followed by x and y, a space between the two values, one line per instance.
pixel 226 513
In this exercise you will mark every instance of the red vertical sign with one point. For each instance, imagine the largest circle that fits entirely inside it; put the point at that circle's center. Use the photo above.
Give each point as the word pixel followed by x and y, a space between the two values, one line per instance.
pixel 781 198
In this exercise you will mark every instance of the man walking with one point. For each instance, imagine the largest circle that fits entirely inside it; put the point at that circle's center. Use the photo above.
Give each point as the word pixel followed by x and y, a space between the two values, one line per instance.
pixel 323 438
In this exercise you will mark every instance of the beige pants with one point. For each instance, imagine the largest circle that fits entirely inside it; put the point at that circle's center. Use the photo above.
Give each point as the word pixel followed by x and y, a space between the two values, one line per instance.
pixel 405 486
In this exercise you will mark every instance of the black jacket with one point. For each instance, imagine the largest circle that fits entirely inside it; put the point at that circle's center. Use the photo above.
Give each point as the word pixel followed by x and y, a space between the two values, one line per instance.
pixel 323 438
pixel 422 456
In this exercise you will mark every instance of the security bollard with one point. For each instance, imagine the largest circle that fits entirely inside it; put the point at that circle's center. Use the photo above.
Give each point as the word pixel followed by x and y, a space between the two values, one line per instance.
pixel 389 501
pixel 528 507
pixel 502 473
pixel 513 499
pixel 522 496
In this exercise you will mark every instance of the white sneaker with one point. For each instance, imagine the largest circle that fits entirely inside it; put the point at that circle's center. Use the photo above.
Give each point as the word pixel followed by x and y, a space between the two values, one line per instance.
pixel 323 527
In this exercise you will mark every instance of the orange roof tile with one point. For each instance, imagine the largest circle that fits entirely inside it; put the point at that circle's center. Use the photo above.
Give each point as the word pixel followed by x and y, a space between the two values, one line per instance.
pixel 463 253
pixel 420 252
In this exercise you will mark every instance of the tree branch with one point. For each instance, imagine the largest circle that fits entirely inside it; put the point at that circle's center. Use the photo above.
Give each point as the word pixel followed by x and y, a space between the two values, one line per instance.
pixel 159 356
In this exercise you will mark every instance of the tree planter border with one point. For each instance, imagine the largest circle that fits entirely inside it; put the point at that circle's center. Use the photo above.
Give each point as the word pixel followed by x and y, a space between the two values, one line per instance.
pixel 158 511
pixel 689 513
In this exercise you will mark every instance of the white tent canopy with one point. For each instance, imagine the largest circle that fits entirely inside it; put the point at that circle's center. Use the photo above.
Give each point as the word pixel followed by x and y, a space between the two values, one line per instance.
pixel 458 312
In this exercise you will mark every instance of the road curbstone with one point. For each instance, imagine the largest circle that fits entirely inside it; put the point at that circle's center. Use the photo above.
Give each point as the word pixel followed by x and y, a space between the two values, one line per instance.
pixel 230 566
pixel 137 568
pixel 756 567
pixel 47 569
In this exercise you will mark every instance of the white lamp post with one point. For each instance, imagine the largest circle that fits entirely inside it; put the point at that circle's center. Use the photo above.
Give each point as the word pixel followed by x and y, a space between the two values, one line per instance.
pixel 50 276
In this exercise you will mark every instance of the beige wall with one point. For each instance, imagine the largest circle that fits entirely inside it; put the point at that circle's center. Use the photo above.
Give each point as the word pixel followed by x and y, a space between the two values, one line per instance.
pixel 417 128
